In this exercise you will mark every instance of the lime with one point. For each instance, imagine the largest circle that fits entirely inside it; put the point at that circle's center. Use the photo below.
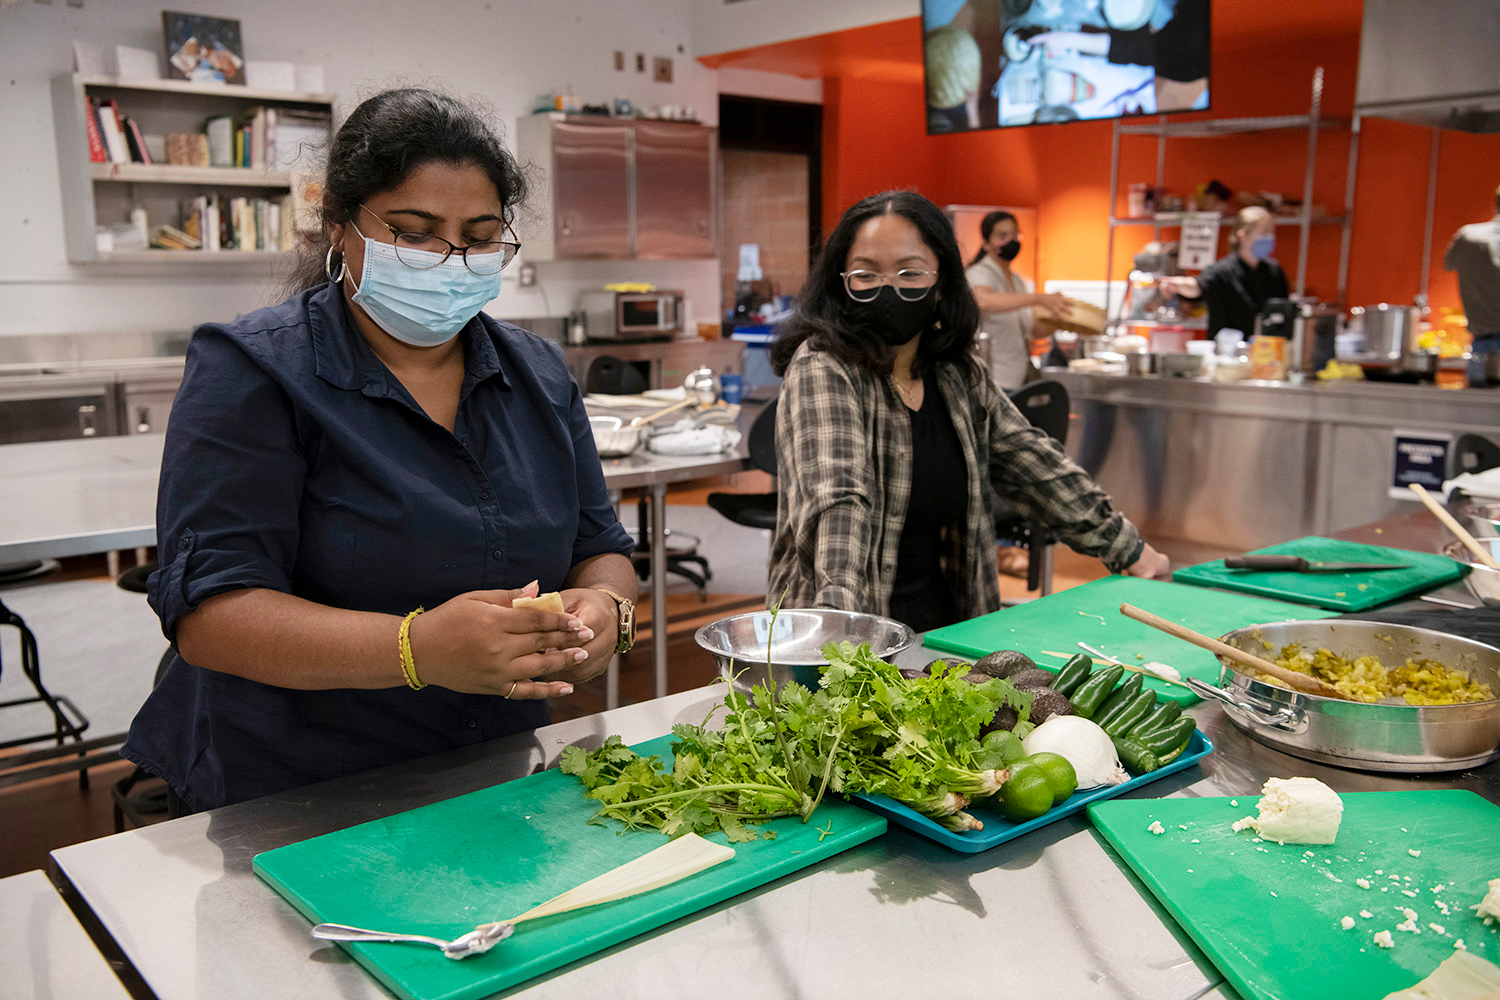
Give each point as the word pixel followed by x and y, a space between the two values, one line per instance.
pixel 1061 777
pixel 1026 795
pixel 1007 744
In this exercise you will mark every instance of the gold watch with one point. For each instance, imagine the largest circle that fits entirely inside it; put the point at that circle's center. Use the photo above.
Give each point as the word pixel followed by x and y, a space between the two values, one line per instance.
pixel 627 619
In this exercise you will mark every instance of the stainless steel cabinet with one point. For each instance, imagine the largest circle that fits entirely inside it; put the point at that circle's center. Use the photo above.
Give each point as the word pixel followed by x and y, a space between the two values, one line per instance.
pixel 591 190
pixel 674 191
pixel 55 408
pixel 610 189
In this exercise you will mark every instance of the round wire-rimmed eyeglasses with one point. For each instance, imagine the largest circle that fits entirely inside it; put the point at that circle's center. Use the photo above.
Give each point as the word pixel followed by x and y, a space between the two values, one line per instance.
pixel 910 283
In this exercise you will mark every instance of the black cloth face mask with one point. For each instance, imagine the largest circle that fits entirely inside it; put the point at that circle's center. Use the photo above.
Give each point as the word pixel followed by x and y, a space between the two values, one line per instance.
pixel 893 319
pixel 1009 250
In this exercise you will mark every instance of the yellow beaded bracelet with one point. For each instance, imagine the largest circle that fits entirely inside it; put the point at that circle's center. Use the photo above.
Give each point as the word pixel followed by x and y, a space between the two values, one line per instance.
pixel 403 645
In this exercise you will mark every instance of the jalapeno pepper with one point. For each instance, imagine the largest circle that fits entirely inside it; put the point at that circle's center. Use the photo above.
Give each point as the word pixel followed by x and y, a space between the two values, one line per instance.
pixel 1072 674
pixel 1169 742
pixel 1089 695
pixel 1122 694
pixel 1135 756
pixel 1166 713
pixel 1128 716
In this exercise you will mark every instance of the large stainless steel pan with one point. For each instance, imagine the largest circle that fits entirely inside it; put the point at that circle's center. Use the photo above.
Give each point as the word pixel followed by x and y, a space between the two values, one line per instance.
pixel 1378 737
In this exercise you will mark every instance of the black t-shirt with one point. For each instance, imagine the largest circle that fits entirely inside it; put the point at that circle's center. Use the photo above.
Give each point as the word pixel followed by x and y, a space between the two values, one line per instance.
pixel 939 494
pixel 1235 292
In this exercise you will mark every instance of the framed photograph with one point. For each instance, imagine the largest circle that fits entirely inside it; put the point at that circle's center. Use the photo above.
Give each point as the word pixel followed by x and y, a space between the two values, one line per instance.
pixel 204 49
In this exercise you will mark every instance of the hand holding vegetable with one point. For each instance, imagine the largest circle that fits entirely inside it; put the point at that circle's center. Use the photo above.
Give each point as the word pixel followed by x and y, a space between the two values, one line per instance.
pixel 478 644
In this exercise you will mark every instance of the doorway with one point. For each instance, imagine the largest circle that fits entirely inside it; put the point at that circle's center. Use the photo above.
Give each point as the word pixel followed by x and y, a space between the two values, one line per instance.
pixel 772 164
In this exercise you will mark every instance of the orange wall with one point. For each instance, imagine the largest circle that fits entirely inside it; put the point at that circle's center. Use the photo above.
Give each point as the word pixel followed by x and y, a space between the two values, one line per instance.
pixel 875 139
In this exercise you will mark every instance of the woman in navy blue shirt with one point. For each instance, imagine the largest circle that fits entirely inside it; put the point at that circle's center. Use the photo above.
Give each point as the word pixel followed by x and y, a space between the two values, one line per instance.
pixel 371 446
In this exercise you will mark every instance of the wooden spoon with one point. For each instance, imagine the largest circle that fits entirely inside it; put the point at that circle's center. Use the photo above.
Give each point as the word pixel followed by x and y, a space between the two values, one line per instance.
pixel 1302 682
pixel 1459 531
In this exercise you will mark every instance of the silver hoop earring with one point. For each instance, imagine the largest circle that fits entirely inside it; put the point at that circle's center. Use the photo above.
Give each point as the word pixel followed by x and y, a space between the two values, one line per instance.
pixel 328 266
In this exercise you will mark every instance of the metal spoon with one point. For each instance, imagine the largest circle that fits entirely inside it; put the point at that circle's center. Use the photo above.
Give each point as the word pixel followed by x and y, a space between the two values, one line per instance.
pixel 476 942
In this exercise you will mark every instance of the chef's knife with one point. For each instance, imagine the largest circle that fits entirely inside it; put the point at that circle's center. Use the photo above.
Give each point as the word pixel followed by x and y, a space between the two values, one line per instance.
pixel 1296 564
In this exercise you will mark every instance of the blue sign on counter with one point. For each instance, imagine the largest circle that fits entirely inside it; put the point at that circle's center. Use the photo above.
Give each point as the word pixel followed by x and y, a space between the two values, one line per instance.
pixel 1419 457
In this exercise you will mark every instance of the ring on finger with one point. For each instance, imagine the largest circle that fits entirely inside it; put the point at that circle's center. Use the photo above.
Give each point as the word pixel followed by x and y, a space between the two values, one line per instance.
pixel 512 689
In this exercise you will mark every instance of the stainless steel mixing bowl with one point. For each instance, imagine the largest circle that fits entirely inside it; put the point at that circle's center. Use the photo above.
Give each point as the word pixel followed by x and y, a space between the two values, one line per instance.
pixel 739 643
pixel 1483 582
pixel 1369 737
pixel 1481 517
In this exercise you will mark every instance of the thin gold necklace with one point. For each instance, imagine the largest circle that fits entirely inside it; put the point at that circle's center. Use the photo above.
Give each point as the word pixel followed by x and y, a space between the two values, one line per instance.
pixel 905 392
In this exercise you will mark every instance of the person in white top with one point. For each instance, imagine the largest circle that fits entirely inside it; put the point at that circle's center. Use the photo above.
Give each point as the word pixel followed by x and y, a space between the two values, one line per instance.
pixel 1006 299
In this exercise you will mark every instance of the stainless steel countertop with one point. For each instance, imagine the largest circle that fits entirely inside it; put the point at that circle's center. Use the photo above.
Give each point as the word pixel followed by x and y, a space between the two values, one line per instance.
pixel 1358 389
pixel 69 498
pixel 44 953
pixel 1051 913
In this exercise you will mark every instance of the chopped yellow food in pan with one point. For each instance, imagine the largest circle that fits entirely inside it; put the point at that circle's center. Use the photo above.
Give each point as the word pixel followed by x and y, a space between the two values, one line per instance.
pixel 1365 678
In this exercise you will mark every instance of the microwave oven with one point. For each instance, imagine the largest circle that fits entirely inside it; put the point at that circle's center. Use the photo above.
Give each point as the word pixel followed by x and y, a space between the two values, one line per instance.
pixel 632 315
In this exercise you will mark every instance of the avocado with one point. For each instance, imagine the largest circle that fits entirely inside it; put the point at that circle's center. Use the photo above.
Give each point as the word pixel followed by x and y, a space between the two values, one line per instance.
pixel 1048 703
pixel 1033 679
pixel 1004 663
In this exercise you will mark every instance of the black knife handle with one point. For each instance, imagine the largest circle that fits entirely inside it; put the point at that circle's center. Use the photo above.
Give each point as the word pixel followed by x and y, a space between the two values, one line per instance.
pixel 1287 564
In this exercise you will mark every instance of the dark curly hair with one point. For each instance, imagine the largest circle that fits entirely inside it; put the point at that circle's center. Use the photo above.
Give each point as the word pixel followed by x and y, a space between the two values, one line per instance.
pixel 382 142
pixel 824 317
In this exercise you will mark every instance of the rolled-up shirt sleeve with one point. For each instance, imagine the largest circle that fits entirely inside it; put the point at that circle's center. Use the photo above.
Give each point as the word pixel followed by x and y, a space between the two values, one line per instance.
pixel 227 507
pixel 599 531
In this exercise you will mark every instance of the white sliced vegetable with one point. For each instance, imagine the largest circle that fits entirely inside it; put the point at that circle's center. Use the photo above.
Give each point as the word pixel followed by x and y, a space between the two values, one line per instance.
pixel 1162 670
pixel 1083 744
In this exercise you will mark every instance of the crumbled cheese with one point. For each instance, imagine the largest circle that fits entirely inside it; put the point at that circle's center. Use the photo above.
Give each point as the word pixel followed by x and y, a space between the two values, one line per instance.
pixel 1409 914
pixel 1410 926
pixel 1156 828
pixel 1297 811
pixel 1380 871
pixel 1346 923
pixel 1263 850
pixel 1460 946
pixel 1193 841
pixel 1437 888
pixel 1442 907
pixel 1438 928
pixel 1385 888
pixel 1489 906
pixel 1275 893
pixel 1366 914
pixel 1384 939
pixel 1234 803
pixel 1308 854
pixel 1363 883
pixel 1183 826
pixel 1241 824
pixel 1408 892
pixel 1414 852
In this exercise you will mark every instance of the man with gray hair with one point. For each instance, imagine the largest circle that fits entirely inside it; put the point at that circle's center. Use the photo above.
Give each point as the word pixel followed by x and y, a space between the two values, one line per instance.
pixel 1475 255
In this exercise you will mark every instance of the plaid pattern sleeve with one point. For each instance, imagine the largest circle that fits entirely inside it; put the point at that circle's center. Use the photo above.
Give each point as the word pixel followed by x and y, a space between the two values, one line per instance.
pixel 1034 475
pixel 826 482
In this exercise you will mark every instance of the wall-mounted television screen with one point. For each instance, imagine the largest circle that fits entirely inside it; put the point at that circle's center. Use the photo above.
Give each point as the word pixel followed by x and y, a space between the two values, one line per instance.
pixel 997 63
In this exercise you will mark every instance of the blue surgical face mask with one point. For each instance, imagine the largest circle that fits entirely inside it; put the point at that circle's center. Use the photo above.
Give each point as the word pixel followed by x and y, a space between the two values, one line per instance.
pixel 1263 247
pixel 423 307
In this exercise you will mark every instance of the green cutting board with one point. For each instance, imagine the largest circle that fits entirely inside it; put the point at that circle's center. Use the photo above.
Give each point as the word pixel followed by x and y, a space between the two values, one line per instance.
pixel 1091 613
pixel 444 868
pixel 1336 591
pixel 1269 916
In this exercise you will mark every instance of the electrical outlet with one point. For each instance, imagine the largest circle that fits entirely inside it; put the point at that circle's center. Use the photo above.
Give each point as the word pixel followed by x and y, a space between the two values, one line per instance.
pixel 640 62
pixel 528 275
pixel 619 61
pixel 661 69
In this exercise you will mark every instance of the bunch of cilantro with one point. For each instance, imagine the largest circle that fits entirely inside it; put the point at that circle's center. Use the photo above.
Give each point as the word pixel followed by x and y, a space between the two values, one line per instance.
pixel 778 752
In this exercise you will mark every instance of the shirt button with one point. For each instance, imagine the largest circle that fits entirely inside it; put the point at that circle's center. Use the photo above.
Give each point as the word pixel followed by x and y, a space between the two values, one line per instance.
pixel 471 723
pixel 186 543
pixel 485 495
pixel 498 554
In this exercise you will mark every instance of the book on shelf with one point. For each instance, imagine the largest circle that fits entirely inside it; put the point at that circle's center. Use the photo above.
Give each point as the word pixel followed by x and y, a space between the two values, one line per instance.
pixel 97 152
pixel 172 238
pixel 137 142
pixel 114 138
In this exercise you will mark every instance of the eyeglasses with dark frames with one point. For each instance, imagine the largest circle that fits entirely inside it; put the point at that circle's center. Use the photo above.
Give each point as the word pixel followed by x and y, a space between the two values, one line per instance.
pixel 486 257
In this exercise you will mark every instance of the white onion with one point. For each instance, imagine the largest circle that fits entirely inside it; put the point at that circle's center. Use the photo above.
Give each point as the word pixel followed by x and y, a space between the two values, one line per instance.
pixel 1083 744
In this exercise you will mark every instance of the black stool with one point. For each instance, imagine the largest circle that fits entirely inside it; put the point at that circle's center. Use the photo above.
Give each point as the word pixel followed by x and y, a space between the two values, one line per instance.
pixel 1045 406
pixel 754 510
pixel 68 723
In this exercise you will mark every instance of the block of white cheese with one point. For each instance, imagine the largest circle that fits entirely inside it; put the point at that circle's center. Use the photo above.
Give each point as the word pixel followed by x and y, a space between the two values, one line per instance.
pixel 542 602
pixel 1296 811
pixel 1461 976
pixel 1489 906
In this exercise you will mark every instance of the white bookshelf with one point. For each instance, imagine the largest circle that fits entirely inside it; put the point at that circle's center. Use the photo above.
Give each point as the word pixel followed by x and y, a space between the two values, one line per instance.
pixel 95 193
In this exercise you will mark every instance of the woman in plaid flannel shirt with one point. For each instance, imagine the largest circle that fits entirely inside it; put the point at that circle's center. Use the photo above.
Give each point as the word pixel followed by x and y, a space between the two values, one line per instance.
pixel 889 436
